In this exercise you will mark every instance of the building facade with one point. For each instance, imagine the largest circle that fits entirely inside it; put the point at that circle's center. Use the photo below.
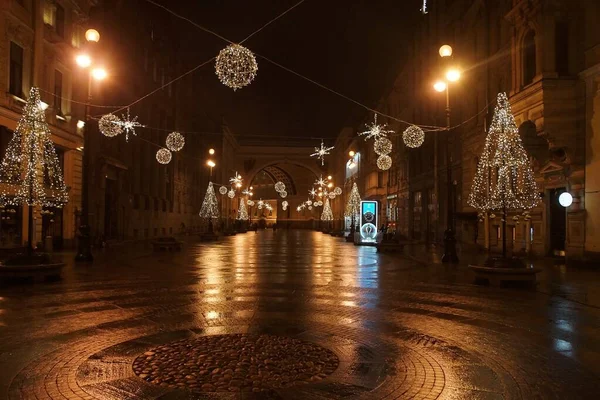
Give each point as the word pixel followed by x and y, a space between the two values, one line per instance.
pixel 38 44
pixel 544 54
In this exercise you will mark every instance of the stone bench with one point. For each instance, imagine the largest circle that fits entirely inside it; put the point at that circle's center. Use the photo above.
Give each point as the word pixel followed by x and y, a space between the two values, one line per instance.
pixel 495 276
pixel 167 244
pixel 39 272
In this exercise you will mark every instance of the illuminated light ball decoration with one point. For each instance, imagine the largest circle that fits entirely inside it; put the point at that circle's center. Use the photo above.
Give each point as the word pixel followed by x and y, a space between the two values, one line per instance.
pixel 175 141
pixel 283 194
pixel 279 187
pixel 250 202
pixel 383 146
pixel 163 156
pixel 337 191
pixel 331 195
pixel 223 190
pixel 284 204
pixel 310 207
pixel 236 66
pixel 110 125
pixel 413 136
pixel 231 194
pixel 384 162
pixel 309 202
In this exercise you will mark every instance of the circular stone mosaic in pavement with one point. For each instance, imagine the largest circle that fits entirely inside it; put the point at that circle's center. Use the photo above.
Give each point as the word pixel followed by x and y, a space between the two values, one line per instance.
pixel 239 362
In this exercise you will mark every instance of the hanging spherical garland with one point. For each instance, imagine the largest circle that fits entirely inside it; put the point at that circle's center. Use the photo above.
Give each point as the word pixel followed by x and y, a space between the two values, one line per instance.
pixel 110 125
pixel 413 136
pixel 163 156
pixel 309 202
pixel 236 66
pixel 383 146
pixel 331 195
pixel 384 162
pixel 283 194
pixel 223 190
pixel 279 187
pixel 284 203
pixel 337 191
pixel 310 207
pixel 231 194
pixel 250 202
pixel 175 141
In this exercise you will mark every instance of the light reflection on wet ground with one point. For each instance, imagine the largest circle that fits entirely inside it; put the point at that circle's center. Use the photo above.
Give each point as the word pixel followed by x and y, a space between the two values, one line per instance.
pixel 401 328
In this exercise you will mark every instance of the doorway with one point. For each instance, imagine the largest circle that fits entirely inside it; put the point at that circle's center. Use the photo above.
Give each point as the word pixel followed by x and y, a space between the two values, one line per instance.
pixel 558 223
pixel 110 210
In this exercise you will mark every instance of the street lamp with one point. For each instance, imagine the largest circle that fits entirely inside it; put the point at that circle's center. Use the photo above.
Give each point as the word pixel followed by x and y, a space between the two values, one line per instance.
pixel 84 251
pixel 452 75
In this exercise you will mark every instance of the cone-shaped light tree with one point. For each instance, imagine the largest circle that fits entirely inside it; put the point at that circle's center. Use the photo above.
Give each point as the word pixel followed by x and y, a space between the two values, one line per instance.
pixel 242 211
pixel 504 178
pixel 210 207
pixel 326 215
pixel 30 172
pixel 353 206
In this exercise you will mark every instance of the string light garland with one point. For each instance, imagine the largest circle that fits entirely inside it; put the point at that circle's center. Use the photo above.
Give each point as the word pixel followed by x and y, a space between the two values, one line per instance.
pixel 223 190
pixel 321 152
pixel 236 66
pixel 210 206
pixel 110 125
pixel 382 146
pixel 326 215
pixel 384 162
pixel 504 177
pixel 163 156
pixel 30 171
pixel 413 136
pixel 175 141
pixel 375 131
pixel 279 186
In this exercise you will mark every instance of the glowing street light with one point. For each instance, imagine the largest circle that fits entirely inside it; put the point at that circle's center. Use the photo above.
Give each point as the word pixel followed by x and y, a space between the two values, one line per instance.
pixel 351 153
pixel 211 163
pixel 445 51
pixel 99 74
pixel 83 60
pixel 440 86
pixel 92 35
pixel 565 199
pixel 211 151
pixel 453 75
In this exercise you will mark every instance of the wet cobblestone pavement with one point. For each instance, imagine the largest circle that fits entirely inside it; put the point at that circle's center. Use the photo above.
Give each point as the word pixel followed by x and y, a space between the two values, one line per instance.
pixel 395 328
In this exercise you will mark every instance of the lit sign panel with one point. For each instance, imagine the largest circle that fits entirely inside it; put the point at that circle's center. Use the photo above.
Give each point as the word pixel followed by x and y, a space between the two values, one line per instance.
pixel 368 221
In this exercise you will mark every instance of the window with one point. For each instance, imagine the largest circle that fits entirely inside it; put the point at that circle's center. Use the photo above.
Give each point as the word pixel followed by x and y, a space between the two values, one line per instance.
pixel 529 61
pixel 60 21
pixel 16 70
pixel 50 14
pixel 58 85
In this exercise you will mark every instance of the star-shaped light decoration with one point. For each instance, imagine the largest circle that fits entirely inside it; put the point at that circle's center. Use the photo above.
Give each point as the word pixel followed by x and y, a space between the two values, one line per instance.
pixel 312 192
pixel 247 192
pixel 129 124
pixel 320 153
pixel 375 131
pixel 321 182
pixel 236 180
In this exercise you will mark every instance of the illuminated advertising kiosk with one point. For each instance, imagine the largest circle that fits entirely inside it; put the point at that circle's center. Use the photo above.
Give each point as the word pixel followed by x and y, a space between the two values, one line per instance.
pixel 368 222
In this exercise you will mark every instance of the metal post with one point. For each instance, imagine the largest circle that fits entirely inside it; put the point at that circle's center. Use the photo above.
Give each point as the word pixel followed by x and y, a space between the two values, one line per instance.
pixel 450 255
pixel 84 251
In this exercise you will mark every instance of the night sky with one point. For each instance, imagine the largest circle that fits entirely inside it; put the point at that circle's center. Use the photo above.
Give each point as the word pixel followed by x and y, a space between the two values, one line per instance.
pixel 351 46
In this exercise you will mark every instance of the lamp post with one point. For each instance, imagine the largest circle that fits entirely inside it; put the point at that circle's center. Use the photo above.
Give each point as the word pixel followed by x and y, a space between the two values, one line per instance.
pixel 452 75
pixel 84 250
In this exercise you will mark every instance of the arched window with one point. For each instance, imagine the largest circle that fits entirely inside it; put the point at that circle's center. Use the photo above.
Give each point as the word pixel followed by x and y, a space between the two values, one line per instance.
pixel 529 64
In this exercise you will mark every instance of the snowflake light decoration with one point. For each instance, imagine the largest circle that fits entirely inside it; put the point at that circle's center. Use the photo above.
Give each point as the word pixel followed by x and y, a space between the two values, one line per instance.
pixel 223 190
pixel 163 156
pixel 175 141
pixel 236 180
pixel 110 125
pixel 321 152
pixel 375 131
pixel 236 66
pixel 129 124
pixel 312 192
pixel 321 182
